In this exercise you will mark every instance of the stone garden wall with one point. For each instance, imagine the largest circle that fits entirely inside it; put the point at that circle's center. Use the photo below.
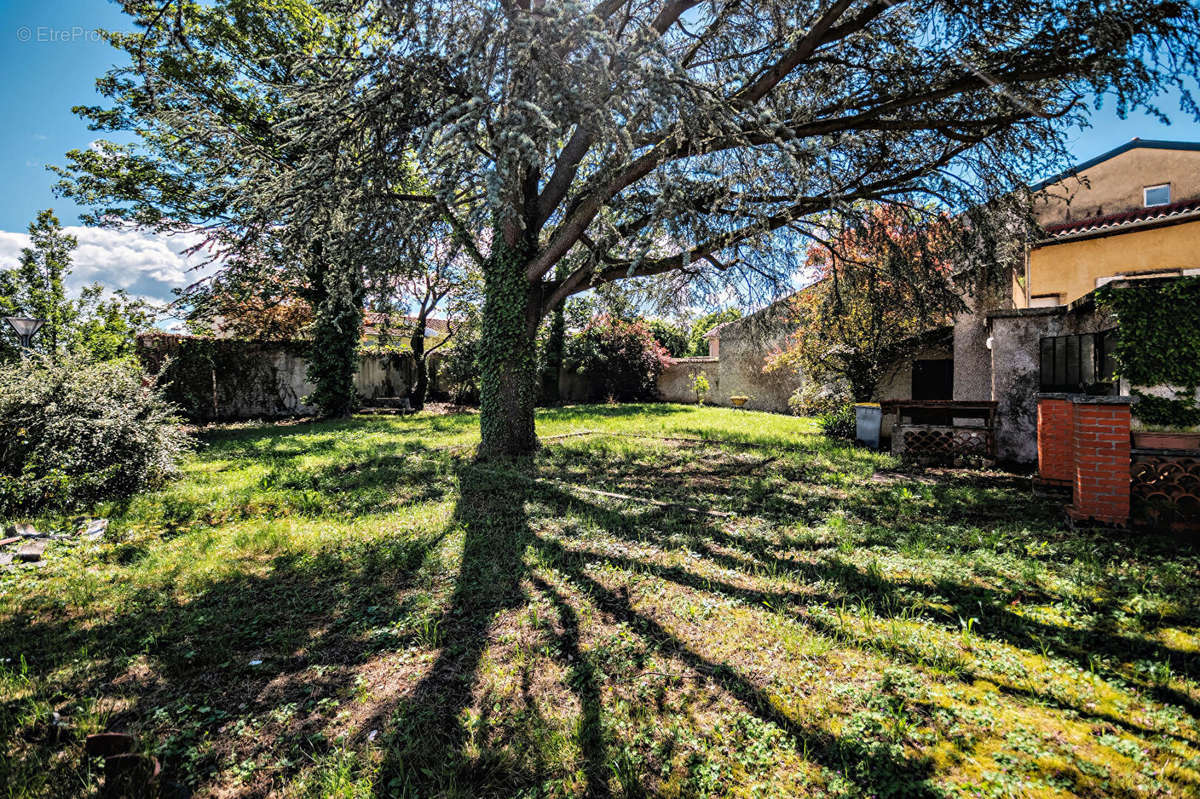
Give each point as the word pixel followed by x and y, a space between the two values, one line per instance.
pixel 218 379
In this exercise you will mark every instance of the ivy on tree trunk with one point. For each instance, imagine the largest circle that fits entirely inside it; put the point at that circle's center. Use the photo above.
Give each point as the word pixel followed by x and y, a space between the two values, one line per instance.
pixel 336 293
pixel 507 390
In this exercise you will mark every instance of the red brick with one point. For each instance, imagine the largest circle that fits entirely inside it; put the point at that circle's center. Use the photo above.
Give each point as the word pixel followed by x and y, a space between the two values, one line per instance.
pixel 1101 462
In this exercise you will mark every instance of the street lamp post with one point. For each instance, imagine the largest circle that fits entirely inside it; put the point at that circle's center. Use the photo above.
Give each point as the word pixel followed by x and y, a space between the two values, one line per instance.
pixel 25 329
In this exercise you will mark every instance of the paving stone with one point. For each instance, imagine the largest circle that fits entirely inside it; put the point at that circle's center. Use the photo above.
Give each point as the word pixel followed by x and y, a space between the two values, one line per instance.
pixel 6 558
pixel 25 530
pixel 107 744
pixel 31 551
pixel 95 529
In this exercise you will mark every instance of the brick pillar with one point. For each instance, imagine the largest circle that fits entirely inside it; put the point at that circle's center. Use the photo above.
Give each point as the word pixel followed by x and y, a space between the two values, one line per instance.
pixel 1101 459
pixel 1056 439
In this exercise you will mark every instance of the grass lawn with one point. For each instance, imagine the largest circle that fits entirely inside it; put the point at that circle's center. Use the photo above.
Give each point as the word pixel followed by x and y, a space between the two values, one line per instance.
pixel 666 601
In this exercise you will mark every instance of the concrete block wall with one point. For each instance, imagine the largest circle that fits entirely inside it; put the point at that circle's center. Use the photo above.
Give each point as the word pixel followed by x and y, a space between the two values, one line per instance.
pixel 1016 371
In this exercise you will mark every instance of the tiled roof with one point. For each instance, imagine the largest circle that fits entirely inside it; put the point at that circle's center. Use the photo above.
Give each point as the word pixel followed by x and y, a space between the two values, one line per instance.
pixel 373 319
pixel 1138 216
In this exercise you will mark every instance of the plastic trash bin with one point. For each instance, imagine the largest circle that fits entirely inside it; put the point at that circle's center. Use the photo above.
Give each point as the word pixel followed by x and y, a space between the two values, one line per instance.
pixel 868 423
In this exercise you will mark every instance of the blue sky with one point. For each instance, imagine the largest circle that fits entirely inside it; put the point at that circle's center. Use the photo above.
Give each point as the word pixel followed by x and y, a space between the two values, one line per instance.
pixel 51 57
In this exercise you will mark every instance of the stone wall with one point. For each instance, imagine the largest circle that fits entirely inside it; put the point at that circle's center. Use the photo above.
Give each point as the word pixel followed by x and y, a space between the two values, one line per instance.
pixel 675 383
pixel 743 349
pixel 230 379
pixel 1016 369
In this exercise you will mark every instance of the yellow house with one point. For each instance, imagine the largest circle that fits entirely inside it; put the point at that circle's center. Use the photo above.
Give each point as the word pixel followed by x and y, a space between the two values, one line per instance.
pixel 1131 212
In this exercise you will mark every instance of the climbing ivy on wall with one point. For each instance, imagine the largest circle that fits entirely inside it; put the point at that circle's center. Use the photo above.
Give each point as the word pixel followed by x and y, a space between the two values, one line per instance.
pixel 336 294
pixel 212 379
pixel 1158 345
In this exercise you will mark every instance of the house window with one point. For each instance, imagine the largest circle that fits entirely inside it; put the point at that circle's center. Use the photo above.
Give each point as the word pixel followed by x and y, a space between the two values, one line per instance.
pixel 1081 363
pixel 1157 195
pixel 1045 300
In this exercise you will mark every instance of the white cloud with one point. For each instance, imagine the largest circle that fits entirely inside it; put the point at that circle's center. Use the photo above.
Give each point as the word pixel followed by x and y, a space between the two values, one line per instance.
pixel 144 264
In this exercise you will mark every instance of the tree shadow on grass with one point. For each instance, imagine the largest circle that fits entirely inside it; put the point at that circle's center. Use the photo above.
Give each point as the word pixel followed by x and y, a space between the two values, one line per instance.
pixel 431 751
pixel 316 618
pixel 427 739
pixel 955 499
pixel 250 666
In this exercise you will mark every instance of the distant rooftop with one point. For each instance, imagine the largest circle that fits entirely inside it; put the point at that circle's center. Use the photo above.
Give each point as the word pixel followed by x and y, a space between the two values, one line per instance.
pixel 1138 217
pixel 1132 144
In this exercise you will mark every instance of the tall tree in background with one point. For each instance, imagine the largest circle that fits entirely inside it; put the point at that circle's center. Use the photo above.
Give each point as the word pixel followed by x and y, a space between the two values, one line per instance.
pixel 38 282
pixel 441 285
pixel 214 93
pixel 98 324
pixel 621 139
pixel 697 344
pixel 881 290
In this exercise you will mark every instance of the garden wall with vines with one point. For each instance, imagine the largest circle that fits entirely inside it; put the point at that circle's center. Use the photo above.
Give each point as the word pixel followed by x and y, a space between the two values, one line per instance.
pixel 1158 346
pixel 213 379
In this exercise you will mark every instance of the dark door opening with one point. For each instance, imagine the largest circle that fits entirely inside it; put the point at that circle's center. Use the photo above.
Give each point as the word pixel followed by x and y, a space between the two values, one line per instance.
pixel 933 380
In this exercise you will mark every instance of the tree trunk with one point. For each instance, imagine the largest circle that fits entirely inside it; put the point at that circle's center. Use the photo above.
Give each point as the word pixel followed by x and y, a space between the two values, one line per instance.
pixel 416 395
pixel 508 370
pixel 335 292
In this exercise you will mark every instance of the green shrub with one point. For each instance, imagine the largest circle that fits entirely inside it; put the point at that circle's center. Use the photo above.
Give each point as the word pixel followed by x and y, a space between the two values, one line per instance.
pixel 1151 351
pixel 839 423
pixel 1180 411
pixel 619 359
pixel 673 337
pixel 816 398
pixel 458 372
pixel 74 433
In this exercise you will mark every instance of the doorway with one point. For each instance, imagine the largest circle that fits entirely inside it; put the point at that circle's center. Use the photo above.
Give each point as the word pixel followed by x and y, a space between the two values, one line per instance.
pixel 933 380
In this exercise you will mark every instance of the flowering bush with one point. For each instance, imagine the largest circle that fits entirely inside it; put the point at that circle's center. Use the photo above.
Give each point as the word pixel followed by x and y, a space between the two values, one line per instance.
pixel 618 359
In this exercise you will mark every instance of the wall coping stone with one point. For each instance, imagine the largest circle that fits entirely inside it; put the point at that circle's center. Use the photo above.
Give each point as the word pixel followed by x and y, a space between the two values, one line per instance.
pixel 1017 313
pixel 696 359
pixel 1087 399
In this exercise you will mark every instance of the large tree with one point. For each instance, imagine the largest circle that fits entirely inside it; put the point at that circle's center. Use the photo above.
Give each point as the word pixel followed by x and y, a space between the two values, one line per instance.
pixel 572 144
pixel 439 282
pixel 217 95
pixel 884 290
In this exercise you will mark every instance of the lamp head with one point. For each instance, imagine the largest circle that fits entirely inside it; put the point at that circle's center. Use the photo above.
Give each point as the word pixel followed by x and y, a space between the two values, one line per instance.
pixel 25 328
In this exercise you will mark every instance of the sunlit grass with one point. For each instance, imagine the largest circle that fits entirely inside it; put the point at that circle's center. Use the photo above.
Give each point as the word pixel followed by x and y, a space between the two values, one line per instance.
pixel 666 600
